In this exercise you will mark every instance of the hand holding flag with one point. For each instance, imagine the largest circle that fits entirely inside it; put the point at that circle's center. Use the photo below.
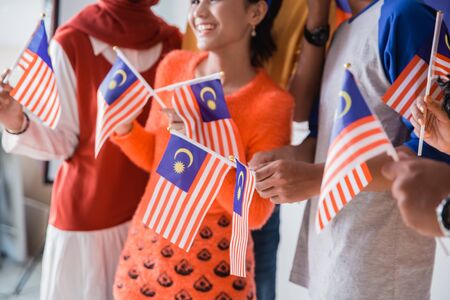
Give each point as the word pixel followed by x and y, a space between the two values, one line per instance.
pixel 201 105
pixel 36 87
pixel 120 98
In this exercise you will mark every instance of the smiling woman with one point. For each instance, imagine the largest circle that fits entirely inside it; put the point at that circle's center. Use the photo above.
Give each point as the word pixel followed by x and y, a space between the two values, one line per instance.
pixel 234 36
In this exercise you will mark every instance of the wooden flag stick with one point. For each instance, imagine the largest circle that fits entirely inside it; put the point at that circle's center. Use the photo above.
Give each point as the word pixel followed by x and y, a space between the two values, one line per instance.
pixel 171 87
pixel 437 33
pixel 139 76
pixel 7 74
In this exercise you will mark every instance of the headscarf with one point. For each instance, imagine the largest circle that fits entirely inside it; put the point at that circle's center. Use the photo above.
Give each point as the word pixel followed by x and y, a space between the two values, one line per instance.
pixel 123 23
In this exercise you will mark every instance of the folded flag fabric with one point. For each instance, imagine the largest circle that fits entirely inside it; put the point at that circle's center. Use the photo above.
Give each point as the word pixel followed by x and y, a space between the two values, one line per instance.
pixel 357 136
pixel 243 194
pixel 36 87
pixel 185 184
pixel 120 97
pixel 202 107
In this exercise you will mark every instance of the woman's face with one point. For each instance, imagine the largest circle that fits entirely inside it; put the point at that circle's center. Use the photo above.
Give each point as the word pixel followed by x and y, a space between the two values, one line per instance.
pixel 220 23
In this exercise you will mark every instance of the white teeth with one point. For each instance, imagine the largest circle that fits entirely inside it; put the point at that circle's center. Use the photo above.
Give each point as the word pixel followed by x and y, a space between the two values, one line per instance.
pixel 203 27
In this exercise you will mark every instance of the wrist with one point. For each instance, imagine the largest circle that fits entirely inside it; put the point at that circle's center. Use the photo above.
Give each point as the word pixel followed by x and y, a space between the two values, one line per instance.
pixel 316 21
pixel 443 216
pixel 22 124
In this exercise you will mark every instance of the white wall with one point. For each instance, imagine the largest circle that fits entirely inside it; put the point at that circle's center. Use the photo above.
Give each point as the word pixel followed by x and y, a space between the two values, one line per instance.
pixel 172 10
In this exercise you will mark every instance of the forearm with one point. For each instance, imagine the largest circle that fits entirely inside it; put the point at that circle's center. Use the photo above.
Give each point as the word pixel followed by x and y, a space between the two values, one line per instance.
pixel 305 84
pixel 138 145
pixel 305 151
pixel 39 144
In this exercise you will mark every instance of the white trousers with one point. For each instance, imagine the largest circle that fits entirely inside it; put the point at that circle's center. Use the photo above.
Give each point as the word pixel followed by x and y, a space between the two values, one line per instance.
pixel 81 265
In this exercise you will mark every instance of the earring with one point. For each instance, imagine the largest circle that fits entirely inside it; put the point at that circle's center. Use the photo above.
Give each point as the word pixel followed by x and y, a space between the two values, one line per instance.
pixel 254 31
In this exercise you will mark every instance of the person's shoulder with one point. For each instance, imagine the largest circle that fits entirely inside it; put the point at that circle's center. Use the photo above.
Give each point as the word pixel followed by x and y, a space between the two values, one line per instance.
pixel 66 35
pixel 406 11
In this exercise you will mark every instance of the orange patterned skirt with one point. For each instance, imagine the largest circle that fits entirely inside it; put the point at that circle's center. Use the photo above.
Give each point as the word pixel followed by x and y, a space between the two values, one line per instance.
pixel 150 267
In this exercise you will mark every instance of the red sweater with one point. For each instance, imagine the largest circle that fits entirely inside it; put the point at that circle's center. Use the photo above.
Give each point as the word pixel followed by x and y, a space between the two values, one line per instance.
pixel 89 193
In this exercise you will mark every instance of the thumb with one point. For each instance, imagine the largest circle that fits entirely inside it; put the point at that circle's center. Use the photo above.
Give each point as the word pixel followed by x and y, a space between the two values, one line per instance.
pixel 260 159
pixel 435 108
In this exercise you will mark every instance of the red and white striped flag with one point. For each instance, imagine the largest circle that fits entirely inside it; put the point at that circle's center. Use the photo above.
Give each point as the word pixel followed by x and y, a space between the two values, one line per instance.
pixel 243 194
pixel 120 97
pixel 357 136
pixel 202 107
pixel 184 186
pixel 36 87
pixel 412 82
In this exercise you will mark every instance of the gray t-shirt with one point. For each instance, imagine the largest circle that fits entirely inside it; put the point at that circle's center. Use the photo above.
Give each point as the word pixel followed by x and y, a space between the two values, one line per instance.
pixel 366 252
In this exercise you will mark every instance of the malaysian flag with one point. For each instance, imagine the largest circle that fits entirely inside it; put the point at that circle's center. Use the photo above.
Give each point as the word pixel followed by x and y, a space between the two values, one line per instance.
pixel 412 82
pixel 357 136
pixel 203 109
pixel 120 97
pixel 184 186
pixel 243 194
pixel 36 87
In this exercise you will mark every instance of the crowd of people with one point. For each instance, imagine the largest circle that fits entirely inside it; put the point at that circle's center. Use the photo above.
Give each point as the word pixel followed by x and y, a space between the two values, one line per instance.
pixel 380 246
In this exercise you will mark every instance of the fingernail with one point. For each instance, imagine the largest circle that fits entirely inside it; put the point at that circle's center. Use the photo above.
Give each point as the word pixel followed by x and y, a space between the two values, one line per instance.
pixel 420 122
pixel 420 108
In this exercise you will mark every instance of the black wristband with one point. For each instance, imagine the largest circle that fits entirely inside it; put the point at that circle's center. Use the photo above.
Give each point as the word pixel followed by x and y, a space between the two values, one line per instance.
pixel 446 214
pixel 317 36
pixel 27 119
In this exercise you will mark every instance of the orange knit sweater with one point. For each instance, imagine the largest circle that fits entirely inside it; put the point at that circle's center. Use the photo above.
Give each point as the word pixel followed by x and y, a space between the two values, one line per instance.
pixel 150 265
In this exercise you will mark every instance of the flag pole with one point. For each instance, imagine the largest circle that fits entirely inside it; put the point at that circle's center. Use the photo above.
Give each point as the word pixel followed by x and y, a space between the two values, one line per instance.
pixel 182 136
pixel 171 87
pixel 139 76
pixel 393 153
pixel 437 33
pixel 14 65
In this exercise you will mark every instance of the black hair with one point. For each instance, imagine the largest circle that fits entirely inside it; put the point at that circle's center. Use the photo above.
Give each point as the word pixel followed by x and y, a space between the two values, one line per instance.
pixel 263 46
pixel 445 85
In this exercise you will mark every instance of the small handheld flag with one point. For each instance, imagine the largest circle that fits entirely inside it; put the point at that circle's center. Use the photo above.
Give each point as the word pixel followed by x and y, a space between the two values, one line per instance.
pixel 243 194
pixel 414 80
pixel 357 136
pixel 184 186
pixel 439 64
pixel 36 87
pixel 203 109
pixel 120 97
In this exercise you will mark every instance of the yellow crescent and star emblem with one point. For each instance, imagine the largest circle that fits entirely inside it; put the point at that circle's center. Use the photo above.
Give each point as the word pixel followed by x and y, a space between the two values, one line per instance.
pixel 210 102
pixel 179 167
pixel 114 83
pixel 348 105
pixel 240 185
pixel 447 41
